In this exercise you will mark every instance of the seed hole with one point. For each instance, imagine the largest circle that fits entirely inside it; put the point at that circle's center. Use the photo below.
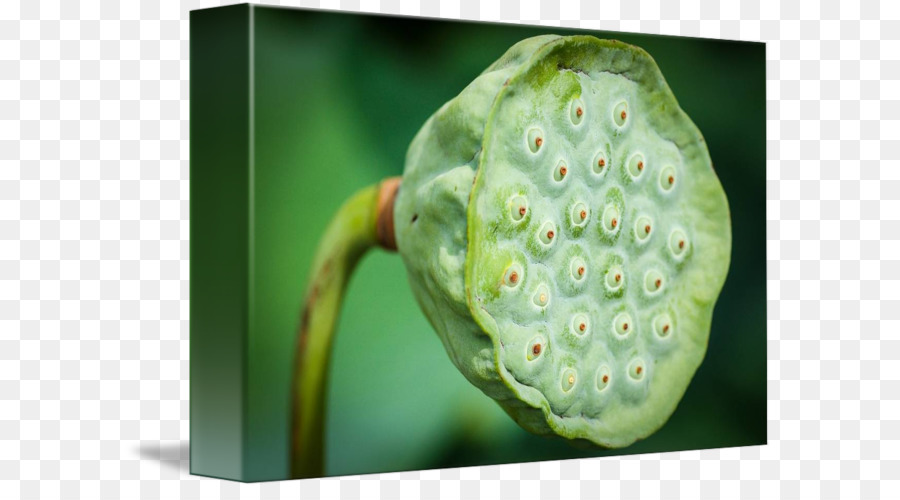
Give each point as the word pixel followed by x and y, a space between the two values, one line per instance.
pixel 536 347
pixel 678 243
pixel 653 281
pixel 667 178
pixel 560 172
pixel 614 278
pixel 535 139
pixel 547 233
pixel 603 377
pixel 578 268
pixel 636 165
pixel 518 207
pixel 576 111
pixel 541 296
pixel 620 113
pixel 568 380
pixel 513 276
pixel 579 324
pixel 579 214
pixel 610 218
pixel 642 228
pixel 622 324
pixel 599 162
pixel 636 369
pixel 662 324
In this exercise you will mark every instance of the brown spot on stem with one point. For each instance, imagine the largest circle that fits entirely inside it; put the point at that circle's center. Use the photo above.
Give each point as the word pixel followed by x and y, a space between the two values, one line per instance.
pixel 582 327
pixel 605 379
pixel 658 283
pixel 583 214
pixel 640 165
pixel 625 327
pixel 522 211
pixel 601 163
pixel 550 235
pixel 681 244
pixel 415 217
pixel 618 278
pixel 614 223
pixel 538 142
pixel 562 171
pixel 581 271
pixel 639 369
pixel 666 329
pixel 647 229
pixel 513 277
pixel 624 114
pixel 671 179
pixel 536 349
pixel 578 111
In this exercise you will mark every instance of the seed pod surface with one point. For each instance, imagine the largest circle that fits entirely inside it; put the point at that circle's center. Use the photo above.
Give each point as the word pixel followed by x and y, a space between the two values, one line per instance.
pixel 553 167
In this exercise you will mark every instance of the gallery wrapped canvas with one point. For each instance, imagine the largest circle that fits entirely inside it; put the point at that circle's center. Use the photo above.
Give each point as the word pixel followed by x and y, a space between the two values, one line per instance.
pixel 423 244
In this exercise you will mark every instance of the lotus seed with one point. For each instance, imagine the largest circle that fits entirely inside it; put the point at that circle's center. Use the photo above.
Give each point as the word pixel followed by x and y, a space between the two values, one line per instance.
pixel 610 218
pixel 579 324
pixel 547 233
pixel 568 380
pixel 518 207
pixel 677 243
pixel 621 324
pixel 636 369
pixel 652 281
pixel 667 178
pixel 535 348
pixel 642 227
pixel 636 165
pixel 560 172
pixel 662 324
pixel 541 296
pixel 513 276
pixel 579 214
pixel 577 111
pixel 535 139
pixel 577 268
pixel 620 113
pixel 599 163
pixel 614 278
pixel 603 377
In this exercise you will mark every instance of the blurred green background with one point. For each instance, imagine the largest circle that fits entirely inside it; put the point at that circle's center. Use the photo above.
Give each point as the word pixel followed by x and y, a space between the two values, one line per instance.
pixel 338 98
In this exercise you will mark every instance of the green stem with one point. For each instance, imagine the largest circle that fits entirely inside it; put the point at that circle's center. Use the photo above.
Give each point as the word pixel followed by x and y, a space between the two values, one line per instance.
pixel 349 235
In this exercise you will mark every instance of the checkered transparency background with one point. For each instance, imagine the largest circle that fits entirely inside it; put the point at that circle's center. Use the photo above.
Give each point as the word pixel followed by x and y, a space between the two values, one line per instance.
pixel 94 258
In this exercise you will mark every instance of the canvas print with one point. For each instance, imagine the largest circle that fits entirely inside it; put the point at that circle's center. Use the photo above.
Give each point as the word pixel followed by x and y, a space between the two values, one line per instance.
pixel 422 244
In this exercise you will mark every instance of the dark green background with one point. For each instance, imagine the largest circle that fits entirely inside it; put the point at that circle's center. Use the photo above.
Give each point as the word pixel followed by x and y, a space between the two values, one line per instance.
pixel 338 98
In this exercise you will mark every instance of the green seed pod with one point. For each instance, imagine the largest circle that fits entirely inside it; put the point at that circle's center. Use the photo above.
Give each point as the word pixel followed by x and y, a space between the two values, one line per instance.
pixel 527 200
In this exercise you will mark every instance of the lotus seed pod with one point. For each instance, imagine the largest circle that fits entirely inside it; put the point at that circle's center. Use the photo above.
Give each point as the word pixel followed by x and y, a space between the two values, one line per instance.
pixel 566 236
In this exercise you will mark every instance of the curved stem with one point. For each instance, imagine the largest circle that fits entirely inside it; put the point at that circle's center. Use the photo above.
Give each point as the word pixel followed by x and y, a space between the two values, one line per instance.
pixel 354 229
